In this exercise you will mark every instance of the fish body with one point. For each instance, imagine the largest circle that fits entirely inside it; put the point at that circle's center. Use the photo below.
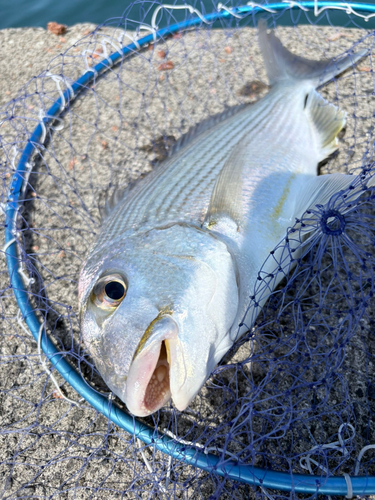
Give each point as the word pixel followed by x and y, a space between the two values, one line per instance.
pixel 167 284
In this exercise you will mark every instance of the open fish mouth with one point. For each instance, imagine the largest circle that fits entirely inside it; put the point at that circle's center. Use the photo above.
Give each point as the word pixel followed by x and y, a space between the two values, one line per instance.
pixel 158 390
pixel 148 383
pixel 148 386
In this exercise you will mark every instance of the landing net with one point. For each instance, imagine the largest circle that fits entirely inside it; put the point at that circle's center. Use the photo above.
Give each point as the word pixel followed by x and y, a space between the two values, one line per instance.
pixel 289 412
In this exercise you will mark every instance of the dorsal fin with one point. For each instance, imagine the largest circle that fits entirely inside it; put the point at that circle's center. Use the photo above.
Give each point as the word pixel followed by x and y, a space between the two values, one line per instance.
pixel 196 130
pixel 114 199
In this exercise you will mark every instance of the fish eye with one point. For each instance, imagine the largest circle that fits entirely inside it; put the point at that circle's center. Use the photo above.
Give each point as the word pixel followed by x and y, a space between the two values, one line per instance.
pixel 109 292
pixel 115 290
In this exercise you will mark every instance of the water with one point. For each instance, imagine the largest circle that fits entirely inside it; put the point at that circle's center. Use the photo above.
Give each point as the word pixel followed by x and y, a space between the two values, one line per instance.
pixel 22 13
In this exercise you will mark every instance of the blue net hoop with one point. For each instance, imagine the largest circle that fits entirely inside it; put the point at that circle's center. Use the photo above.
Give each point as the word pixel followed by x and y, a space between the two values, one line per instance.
pixel 361 485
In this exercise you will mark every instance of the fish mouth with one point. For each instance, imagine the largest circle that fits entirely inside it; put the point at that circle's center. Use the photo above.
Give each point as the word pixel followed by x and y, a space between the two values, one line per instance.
pixel 158 390
pixel 148 386
pixel 148 382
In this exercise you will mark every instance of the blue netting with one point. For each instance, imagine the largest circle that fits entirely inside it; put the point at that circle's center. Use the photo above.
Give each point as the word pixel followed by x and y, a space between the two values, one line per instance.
pixel 297 394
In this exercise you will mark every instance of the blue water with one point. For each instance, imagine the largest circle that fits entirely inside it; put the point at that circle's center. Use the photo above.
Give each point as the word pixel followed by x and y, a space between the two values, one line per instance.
pixel 22 13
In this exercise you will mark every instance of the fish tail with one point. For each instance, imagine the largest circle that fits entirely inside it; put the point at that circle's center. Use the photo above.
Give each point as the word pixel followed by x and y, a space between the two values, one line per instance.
pixel 283 65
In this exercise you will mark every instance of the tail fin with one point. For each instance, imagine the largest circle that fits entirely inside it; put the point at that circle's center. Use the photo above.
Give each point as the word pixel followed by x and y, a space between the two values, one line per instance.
pixel 283 65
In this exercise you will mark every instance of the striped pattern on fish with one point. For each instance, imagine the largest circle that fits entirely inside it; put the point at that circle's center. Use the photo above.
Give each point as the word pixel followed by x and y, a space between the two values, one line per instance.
pixel 167 284
pixel 162 196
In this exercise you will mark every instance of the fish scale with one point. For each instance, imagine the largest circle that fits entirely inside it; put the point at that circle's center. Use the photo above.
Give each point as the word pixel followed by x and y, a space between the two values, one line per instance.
pixel 186 244
pixel 213 162
pixel 204 163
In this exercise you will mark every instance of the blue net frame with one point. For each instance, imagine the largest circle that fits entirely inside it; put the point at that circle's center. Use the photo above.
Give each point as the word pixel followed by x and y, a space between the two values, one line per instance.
pixel 308 484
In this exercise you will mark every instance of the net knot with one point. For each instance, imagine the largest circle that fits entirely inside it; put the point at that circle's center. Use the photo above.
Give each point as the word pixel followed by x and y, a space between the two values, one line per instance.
pixel 332 222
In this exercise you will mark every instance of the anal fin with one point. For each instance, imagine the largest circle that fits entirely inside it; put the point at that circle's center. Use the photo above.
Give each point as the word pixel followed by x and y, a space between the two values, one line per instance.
pixel 319 190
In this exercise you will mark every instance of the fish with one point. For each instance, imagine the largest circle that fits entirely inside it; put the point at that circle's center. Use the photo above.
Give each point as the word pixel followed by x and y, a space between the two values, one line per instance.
pixel 165 288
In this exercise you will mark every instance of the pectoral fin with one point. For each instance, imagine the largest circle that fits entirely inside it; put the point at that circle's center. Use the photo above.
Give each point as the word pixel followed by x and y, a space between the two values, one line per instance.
pixel 319 190
pixel 226 198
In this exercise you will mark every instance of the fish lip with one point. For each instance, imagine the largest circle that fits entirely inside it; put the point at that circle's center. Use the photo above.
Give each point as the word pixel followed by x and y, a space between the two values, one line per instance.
pixel 144 365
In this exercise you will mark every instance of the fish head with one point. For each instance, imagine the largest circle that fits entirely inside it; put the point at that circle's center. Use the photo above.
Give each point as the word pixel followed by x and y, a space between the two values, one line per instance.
pixel 155 310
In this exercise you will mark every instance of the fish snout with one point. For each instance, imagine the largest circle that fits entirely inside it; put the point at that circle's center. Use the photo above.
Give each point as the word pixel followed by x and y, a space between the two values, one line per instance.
pixel 148 386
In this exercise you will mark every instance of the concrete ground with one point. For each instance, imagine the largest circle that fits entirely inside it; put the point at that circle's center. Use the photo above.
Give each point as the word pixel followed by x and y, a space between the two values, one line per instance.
pixel 112 133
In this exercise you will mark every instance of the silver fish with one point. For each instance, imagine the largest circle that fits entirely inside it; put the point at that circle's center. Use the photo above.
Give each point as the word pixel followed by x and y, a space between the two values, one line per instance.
pixel 167 283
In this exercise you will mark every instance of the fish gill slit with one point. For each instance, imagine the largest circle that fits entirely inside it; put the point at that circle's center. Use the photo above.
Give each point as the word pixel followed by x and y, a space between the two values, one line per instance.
pixel 305 102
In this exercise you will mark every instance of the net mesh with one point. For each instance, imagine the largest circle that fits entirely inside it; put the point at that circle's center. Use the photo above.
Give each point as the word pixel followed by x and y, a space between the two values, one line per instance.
pixel 297 393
